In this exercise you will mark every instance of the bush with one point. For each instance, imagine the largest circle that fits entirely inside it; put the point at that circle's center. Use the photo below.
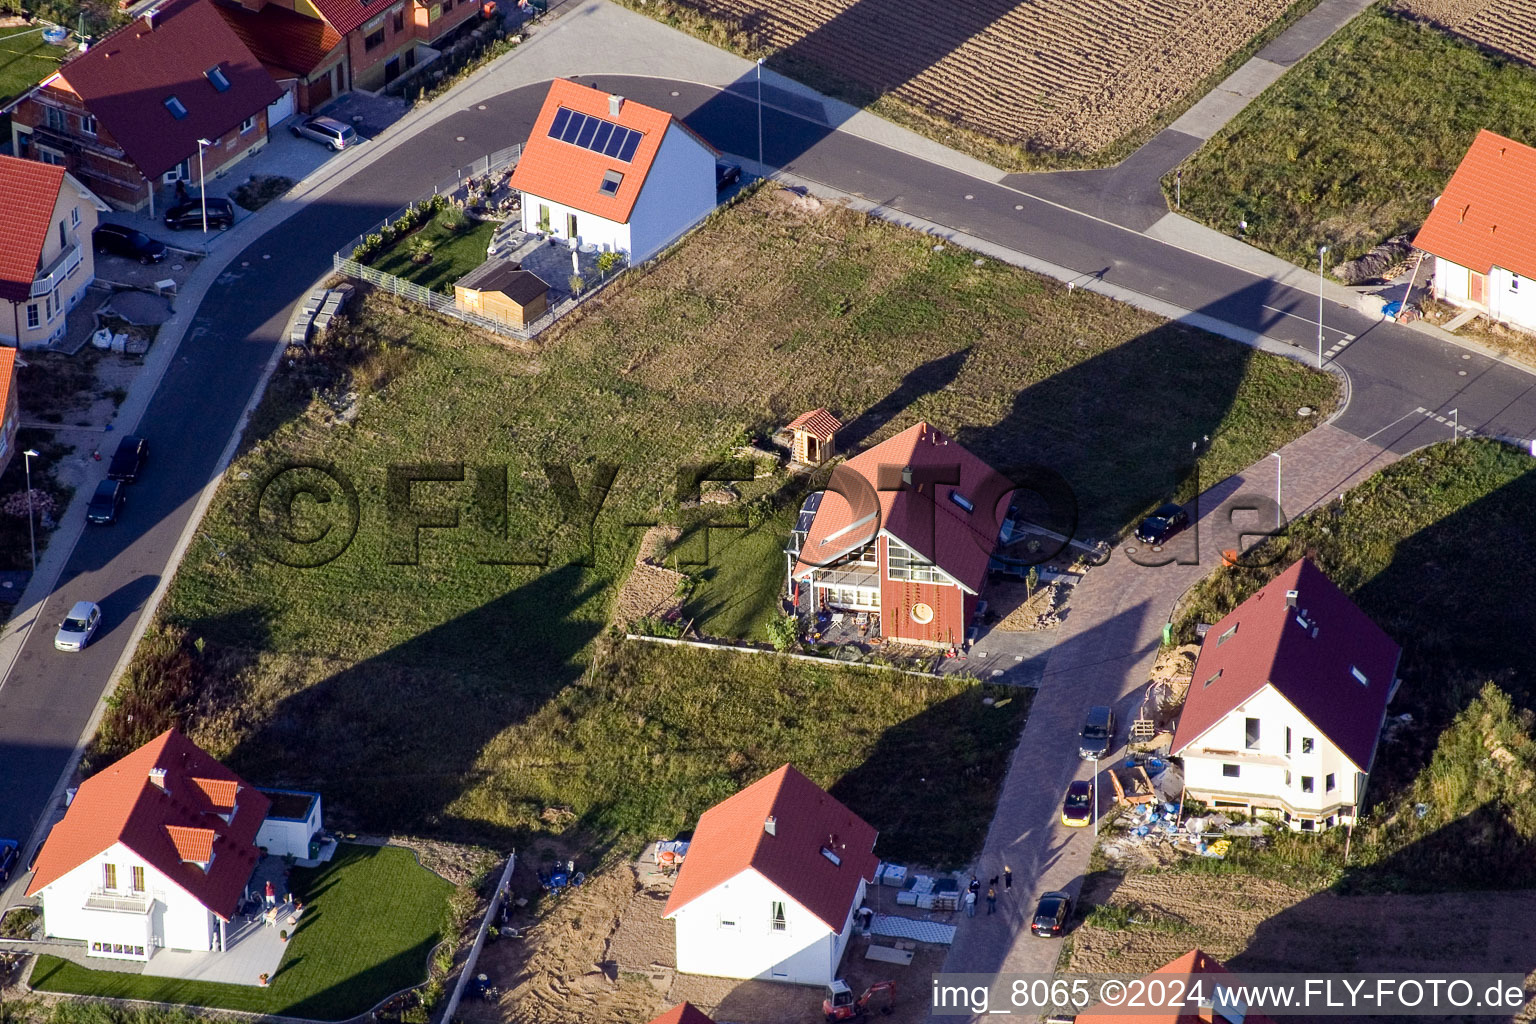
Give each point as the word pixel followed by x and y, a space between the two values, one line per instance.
pixel 576 284
pixel 18 923
pixel 784 633
pixel 651 626
pixel 609 261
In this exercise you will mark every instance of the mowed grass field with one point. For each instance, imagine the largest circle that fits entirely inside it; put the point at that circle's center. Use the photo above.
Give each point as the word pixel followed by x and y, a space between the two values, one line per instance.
pixel 25 60
pixel 422 680
pixel 1352 146
pixel 372 917
pixel 1435 548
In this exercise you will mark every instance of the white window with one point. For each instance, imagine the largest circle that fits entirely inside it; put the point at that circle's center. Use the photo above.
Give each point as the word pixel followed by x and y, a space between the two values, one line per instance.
pixel 777 919
pixel 1215 677
pixel 50 156
pixel 109 876
pixel 74 217
pixel 1306 783
pixel 138 877
pixel 902 563
pixel 728 922
pixel 1231 771
pixel 1251 734
pixel 55 119
pixel 248 124
pixel 1359 676
pixel 1328 782
pixel 1228 635
pixel 962 501
pixel 88 124
pixel 33 318
pixel 58 307
pixel 1306 744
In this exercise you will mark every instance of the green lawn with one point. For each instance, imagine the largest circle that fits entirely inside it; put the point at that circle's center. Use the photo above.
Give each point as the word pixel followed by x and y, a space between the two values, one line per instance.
pixel 371 918
pixel 1352 146
pixel 25 60
pixel 1436 549
pixel 454 253
pixel 430 646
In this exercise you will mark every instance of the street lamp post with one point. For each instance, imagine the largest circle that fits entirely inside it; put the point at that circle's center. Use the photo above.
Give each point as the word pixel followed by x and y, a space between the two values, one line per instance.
pixel 1455 427
pixel 1278 509
pixel 760 167
pixel 201 191
pixel 1095 797
pixel 1321 251
pixel 28 456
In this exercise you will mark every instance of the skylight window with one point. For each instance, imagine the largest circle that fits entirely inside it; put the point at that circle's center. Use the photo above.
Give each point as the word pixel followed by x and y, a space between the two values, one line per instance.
pixel 1359 676
pixel 176 107
pixel 1215 677
pixel 611 181
pixel 834 858
pixel 962 501
pixel 217 78
pixel 1228 635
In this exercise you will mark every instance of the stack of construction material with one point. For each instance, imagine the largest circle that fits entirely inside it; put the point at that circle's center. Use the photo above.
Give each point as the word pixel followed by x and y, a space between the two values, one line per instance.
pixel 892 874
pixel 917 892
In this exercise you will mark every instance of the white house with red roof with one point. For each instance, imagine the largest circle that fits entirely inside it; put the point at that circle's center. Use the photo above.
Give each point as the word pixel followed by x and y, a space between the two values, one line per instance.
pixel 10 411
pixel 773 877
pixel 1287 703
pixel 155 851
pixel 1482 232
pixel 46 258
pixel 606 171
pixel 1196 973
pixel 904 532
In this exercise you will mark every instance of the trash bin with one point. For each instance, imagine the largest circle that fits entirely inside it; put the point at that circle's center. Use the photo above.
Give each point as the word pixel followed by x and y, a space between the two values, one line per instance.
pixel 314 849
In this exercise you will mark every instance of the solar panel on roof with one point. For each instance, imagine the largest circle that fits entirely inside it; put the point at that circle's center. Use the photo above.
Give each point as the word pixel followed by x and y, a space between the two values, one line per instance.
pixel 594 133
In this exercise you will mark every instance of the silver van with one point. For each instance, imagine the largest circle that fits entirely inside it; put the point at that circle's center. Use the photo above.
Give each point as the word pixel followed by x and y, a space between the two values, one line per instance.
pixel 327 130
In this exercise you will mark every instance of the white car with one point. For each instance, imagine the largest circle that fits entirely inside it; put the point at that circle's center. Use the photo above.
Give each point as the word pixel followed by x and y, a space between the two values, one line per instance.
pixel 78 627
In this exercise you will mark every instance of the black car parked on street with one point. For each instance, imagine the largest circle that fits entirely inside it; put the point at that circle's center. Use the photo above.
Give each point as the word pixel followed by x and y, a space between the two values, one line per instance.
pixel 221 214
pixel 128 461
pixel 106 503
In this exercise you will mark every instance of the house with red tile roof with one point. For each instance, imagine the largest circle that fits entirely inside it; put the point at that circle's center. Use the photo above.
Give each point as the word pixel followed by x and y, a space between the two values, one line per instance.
pixel 46 257
pixel 904 532
pixel 154 852
pixel 771 882
pixel 1287 704
pixel 606 171
pixel 1194 972
pixel 300 50
pixel 125 117
pixel 683 1013
pixel 10 413
pixel 1482 232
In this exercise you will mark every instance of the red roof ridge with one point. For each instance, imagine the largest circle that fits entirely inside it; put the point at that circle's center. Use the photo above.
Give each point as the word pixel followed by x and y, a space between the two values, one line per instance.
pixel 818 421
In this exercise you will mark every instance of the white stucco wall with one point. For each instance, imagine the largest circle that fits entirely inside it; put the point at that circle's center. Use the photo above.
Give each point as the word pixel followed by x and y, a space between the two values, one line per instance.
pixel 178 920
pixel 1272 772
pixel 289 837
pixel 1450 281
pixel 590 228
pixel 74 200
pixel 677 194
pixel 806 952
pixel 1512 298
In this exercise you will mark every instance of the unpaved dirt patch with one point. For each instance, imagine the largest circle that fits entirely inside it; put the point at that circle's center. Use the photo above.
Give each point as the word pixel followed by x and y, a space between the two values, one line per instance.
pixel 1256 925
pixel 651 591
pixel 1022 610
pixel 1508 26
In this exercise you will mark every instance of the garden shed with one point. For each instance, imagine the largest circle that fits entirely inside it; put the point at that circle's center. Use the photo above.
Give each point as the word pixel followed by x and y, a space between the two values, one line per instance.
pixel 502 291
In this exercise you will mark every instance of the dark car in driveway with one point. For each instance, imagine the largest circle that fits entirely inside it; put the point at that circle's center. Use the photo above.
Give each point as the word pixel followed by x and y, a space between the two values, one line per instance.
pixel 130 242
pixel 221 214
pixel 727 174
pixel 1162 524
pixel 10 853
pixel 1098 733
pixel 106 503
pixel 1051 915
pixel 128 460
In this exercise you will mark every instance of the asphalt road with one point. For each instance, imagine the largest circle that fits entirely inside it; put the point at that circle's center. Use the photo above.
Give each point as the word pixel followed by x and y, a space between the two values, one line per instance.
pixel 48 696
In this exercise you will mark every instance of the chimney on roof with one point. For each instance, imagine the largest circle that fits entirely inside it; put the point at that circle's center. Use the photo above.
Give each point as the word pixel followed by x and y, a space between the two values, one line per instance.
pixel 1291 597
pixel 770 826
pixel 906 476
pixel 615 104
pixel 149 16
pixel 157 776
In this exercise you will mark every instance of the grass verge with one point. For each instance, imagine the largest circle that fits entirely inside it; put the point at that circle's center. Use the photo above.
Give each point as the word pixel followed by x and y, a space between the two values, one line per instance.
pixel 1449 811
pixel 371 918
pixel 1349 149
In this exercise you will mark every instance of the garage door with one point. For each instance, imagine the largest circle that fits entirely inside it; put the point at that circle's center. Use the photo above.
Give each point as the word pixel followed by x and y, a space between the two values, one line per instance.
pixel 280 109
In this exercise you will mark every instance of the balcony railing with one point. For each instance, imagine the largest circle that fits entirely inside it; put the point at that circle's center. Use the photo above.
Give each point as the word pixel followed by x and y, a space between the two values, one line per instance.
pixel 54 274
pixel 136 903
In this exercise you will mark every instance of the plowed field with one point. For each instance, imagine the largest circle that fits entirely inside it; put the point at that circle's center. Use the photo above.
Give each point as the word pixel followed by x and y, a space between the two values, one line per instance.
pixel 1508 26
pixel 1056 75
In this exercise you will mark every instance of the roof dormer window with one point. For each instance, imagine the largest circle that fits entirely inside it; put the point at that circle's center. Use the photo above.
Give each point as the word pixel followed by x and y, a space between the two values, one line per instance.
pixel 831 856
pixel 217 78
pixel 176 107
pixel 611 182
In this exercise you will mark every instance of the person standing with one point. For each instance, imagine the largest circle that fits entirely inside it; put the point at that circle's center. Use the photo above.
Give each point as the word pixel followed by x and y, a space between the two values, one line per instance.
pixel 271 895
pixel 975 886
pixel 1007 878
pixel 970 903
pixel 991 901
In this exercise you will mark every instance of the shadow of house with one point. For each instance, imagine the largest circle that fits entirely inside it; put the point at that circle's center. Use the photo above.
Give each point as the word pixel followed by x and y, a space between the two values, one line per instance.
pixel 393 758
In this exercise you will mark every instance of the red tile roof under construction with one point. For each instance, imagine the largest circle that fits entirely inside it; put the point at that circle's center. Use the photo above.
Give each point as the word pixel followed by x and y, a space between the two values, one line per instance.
pixel 281 38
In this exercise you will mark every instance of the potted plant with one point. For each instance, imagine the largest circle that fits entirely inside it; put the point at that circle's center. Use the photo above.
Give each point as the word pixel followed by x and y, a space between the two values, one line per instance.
pixel 262 980
pixel 283 935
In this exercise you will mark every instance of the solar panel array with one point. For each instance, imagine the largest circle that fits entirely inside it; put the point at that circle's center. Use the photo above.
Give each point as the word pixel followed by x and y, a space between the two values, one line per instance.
pixel 595 134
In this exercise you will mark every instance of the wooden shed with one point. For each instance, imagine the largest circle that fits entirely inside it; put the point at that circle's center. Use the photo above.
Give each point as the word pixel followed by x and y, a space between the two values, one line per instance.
pixel 504 292
pixel 811 437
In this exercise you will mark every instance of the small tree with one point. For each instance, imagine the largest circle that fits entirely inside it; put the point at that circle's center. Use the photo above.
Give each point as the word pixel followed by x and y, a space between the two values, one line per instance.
pixel 609 261
pixel 577 285
pixel 1032 580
